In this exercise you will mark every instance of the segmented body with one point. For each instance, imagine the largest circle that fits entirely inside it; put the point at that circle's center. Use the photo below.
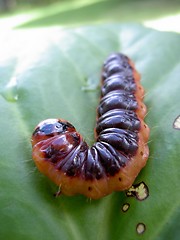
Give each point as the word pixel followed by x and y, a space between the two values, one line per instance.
pixel 120 151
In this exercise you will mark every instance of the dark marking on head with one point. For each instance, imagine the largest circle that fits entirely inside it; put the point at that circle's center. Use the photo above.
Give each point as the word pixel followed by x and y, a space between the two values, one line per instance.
pixel 53 127
pixel 36 131
pixel 75 137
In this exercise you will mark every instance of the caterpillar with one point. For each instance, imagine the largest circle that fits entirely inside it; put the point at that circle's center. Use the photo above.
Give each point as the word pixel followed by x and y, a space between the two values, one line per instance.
pixel 113 162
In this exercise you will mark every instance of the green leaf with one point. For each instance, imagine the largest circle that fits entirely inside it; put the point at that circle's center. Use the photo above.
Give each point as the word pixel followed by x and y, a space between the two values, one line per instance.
pixel 54 73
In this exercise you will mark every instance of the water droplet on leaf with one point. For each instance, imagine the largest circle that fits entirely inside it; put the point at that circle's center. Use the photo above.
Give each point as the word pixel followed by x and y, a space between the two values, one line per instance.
pixel 9 92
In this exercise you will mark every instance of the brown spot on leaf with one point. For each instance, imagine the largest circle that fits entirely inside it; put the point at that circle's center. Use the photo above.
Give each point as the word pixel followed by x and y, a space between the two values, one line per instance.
pixel 125 207
pixel 140 228
pixel 176 124
pixel 140 191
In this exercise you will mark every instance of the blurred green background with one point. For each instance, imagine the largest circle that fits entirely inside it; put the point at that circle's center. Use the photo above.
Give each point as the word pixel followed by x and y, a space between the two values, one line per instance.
pixel 159 14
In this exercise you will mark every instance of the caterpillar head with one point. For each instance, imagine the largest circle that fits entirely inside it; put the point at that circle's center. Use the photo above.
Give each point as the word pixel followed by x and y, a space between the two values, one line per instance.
pixel 53 139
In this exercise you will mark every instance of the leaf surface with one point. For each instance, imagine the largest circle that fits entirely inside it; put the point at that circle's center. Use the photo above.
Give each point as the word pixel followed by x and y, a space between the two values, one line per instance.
pixel 54 73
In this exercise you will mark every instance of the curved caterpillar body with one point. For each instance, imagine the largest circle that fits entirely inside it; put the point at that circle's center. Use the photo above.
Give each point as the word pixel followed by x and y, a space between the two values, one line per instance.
pixel 120 150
